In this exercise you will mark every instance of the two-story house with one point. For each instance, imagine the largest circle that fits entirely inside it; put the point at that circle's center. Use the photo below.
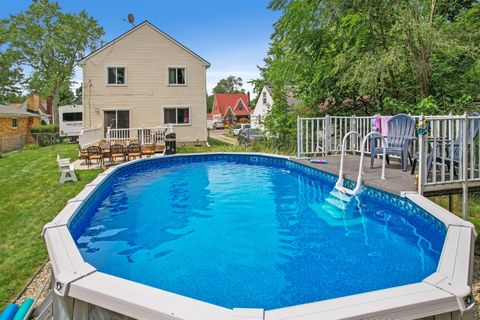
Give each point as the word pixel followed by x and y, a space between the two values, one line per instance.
pixel 145 79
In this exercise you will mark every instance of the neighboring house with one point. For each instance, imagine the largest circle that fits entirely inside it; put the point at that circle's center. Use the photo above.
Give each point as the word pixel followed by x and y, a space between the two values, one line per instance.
pixel 70 120
pixel 34 102
pixel 210 120
pixel 264 105
pixel 145 78
pixel 15 125
pixel 231 107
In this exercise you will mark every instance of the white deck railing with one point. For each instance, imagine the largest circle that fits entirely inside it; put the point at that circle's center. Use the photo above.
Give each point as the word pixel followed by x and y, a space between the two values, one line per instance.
pixel 89 136
pixel 445 154
pixel 143 135
pixel 451 150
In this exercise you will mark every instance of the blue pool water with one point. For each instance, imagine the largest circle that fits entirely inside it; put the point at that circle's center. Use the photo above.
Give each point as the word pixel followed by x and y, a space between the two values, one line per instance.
pixel 252 234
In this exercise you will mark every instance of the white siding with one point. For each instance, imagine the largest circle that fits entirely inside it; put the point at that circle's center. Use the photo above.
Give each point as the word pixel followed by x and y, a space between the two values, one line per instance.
pixel 261 109
pixel 146 54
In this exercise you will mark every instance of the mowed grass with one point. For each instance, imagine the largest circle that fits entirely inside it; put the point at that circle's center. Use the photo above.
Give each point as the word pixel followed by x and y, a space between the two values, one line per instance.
pixel 30 196
pixel 473 210
pixel 220 146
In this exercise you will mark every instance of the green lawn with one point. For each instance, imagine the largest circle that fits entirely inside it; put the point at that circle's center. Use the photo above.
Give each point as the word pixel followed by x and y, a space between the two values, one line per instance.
pixel 220 146
pixel 30 196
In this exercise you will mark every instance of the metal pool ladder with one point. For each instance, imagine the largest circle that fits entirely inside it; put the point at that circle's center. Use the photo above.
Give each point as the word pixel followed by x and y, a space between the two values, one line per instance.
pixel 339 185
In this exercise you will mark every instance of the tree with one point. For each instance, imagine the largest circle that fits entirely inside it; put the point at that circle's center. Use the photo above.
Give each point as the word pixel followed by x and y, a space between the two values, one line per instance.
pixel 231 84
pixel 367 57
pixel 209 103
pixel 51 42
pixel 78 95
pixel 11 75
pixel 67 97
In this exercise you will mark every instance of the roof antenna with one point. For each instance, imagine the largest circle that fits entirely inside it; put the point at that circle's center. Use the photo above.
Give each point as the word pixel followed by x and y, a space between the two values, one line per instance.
pixel 131 19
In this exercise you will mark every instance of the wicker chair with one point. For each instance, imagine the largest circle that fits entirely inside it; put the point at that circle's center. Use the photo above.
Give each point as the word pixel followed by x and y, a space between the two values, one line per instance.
pixel 134 150
pixel 105 145
pixel 133 141
pixel 94 153
pixel 82 153
pixel 117 151
pixel 148 149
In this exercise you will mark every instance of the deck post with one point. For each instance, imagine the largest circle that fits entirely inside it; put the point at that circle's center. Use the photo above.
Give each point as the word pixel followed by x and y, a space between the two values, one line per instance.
pixel 421 158
pixel 353 127
pixel 327 134
pixel 298 137
pixel 464 167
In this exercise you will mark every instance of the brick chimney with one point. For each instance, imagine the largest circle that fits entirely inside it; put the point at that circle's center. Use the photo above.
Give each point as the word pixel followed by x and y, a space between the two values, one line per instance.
pixel 33 102
pixel 248 96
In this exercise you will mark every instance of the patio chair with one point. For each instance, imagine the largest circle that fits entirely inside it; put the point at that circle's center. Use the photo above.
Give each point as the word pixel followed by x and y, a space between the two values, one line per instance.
pixel 82 153
pixel 401 131
pixel 105 145
pixel 134 150
pixel 473 130
pixel 94 153
pixel 148 149
pixel 67 171
pixel 117 151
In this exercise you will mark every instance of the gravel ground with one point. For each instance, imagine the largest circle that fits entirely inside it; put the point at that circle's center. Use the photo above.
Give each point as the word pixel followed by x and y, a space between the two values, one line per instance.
pixel 38 283
pixel 41 278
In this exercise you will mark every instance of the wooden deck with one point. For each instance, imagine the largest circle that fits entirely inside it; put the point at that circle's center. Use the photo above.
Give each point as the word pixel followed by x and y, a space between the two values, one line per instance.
pixel 396 180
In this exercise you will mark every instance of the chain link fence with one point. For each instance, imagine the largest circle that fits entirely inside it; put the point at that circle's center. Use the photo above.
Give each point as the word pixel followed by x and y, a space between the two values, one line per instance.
pixel 34 140
pixel 453 203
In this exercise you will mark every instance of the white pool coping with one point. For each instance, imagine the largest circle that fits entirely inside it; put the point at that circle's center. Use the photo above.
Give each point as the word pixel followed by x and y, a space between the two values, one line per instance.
pixel 444 291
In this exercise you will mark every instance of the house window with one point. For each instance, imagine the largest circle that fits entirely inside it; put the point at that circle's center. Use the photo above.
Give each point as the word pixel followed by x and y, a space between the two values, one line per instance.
pixel 240 105
pixel 264 98
pixel 72 116
pixel 14 123
pixel 176 76
pixel 116 75
pixel 177 115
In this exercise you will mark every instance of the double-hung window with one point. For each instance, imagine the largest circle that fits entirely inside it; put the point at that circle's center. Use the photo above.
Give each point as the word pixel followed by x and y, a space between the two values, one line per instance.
pixel 264 98
pixel 177 115
pixel 14 123
pixel 116 76
pixel 176 76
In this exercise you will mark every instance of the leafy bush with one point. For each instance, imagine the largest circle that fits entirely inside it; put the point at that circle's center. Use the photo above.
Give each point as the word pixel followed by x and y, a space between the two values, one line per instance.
pixel 52 128
pixel 45 135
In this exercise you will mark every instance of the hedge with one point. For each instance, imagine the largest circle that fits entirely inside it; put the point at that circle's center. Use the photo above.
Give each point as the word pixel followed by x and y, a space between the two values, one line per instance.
pixel 52 128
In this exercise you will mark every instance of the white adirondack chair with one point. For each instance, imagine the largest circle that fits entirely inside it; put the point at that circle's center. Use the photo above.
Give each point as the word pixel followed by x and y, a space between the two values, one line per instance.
pixel 67 171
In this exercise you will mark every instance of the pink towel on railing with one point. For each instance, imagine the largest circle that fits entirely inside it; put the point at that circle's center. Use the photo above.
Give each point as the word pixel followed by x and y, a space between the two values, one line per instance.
pixel 376 123
pixel 384 124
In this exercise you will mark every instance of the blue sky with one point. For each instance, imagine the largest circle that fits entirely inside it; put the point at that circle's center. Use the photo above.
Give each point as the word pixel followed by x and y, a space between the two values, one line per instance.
pixel 232 35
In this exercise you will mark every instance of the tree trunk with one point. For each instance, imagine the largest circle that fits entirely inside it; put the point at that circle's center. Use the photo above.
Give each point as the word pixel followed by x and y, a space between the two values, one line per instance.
pixel 55 101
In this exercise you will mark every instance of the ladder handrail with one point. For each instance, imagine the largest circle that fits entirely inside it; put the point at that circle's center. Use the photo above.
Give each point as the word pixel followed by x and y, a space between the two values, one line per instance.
pixel 339 184
pixel 360 169
pixel 342 155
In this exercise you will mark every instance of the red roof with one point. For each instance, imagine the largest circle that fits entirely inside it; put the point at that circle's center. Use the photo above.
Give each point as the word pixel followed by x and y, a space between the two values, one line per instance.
pixel 209 116
pixel 223 101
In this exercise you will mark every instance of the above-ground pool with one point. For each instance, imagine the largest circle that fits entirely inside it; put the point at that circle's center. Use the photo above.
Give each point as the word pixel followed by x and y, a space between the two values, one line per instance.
pixel 253 237
pixel 249 232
